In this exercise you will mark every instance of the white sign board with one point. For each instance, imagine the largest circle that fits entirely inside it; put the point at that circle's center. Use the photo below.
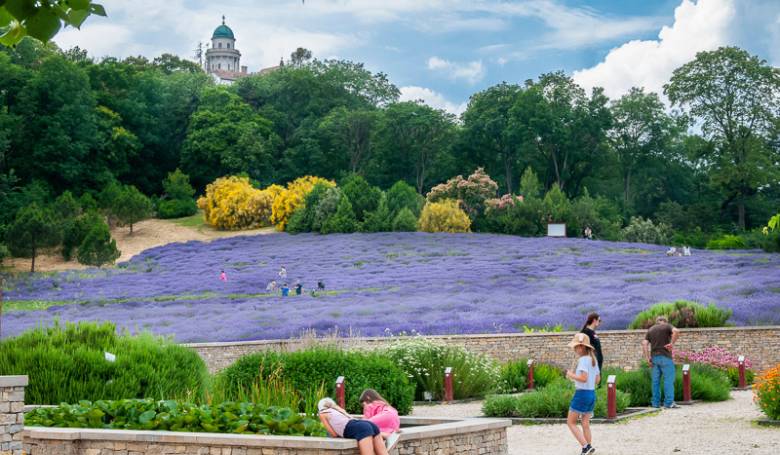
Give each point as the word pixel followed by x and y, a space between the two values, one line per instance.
pixel 109 356
pixel 611 379
pixel 556 230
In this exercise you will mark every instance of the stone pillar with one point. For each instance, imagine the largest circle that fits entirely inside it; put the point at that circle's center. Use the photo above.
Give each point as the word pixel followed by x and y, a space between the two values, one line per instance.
pixel 11 414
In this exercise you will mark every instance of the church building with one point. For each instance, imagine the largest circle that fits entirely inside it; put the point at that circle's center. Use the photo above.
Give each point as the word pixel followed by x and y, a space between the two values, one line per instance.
pixel 223 60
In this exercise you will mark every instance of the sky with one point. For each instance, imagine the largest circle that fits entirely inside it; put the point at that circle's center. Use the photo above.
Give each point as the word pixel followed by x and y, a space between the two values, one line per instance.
pixel 444 51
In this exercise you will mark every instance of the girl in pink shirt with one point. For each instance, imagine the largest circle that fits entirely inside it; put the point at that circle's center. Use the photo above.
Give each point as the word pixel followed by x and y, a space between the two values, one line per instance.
pixel 377 410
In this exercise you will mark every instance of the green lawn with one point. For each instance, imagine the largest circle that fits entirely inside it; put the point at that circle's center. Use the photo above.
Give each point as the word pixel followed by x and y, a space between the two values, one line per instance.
pixel 194 221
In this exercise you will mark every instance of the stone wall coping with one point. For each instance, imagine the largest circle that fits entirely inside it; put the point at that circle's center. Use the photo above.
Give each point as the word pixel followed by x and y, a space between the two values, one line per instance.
pixel 174 437
pixel 218 344
pixel 290 442
pixel 13 381
pixel 453 428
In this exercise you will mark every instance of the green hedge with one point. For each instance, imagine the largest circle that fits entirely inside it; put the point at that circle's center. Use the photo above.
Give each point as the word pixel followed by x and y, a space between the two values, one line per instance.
pixel 551 401
pixel 320 367
pixel 228 417
pixel 424 361
pixel 514 375
pixel 67 364
pixel 727 242
pixel 682 314
pixel 176 208
pixel 707 384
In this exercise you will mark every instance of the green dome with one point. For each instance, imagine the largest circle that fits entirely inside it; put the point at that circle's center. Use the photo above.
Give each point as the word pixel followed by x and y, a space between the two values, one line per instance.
pixel 223 31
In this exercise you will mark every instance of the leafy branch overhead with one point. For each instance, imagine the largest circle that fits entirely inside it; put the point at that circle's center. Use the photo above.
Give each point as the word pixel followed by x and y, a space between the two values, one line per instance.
pixel 42 19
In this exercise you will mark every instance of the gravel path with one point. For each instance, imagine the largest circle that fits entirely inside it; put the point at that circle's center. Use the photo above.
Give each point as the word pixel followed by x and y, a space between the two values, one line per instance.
pixel 700 429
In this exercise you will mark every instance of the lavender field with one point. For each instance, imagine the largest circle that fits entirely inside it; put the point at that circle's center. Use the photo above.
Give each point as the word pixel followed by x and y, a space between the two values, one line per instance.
pixel 392 282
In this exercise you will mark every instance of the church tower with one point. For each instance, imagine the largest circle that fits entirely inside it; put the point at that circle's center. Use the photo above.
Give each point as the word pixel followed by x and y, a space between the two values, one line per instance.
pixel 223 57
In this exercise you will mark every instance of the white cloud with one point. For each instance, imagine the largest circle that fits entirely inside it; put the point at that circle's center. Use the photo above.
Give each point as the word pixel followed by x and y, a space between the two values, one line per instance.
pixel 700 26
pixel 431 98
pixel 471 72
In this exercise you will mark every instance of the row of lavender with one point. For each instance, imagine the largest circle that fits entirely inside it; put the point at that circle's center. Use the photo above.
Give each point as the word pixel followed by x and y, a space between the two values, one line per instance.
pixel 393 282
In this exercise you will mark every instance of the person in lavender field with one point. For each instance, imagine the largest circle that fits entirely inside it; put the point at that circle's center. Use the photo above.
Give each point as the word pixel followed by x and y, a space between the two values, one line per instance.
pixel 272 287
pixel 285 290
pixel 223 276
pixel 298 287
pixel 657 348
pixel 283 273
pixel 586 375
pixel 591 324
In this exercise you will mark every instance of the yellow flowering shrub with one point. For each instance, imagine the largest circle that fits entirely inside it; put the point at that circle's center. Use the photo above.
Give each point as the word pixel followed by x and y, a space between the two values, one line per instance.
pixel 231 203
pixel 444 216
pixel 766 390
pixel 293 197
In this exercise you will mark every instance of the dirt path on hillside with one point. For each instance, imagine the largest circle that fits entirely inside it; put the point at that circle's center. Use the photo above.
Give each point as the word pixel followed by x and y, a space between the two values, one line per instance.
pixel 146 234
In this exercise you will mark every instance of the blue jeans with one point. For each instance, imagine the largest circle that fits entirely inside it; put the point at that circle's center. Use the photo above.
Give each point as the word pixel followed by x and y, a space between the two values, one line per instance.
pixel 662 365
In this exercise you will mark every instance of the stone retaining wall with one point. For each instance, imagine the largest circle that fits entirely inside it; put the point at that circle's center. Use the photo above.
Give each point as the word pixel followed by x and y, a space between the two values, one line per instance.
pixel 11 414
pixel 622 348
pixel 480 436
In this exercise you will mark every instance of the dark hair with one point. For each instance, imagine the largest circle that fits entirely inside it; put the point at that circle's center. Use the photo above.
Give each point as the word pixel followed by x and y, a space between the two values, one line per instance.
pixel 370 396
pixel 591 317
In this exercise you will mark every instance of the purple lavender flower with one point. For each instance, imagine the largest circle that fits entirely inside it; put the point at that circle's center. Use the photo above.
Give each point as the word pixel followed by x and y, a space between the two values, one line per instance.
pixel 431 283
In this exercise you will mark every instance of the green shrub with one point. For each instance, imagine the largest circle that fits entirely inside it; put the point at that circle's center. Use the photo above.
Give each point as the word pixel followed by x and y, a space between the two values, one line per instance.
pixel 645 231
pixel 682 314
pixel 343 220
pixel 424 361
pixel 402 195
pixel 170 415
pixel 726 242
pixel 551 401
pixel 707 384
pixel 514 375
pixel 176 208
pixel 363 197
pixel 405 221
pixel 67 364
pixel 312 367
pixel 98 248
pixel 733 374
pixel 378 220
pixel 76 230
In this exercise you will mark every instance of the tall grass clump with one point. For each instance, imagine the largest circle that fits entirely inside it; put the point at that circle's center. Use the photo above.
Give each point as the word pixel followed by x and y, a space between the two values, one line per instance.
pixel 707 384
pixel 682 314
pixel 551 401
pixel 424 362
pixel 311 370
pixel 514 375
pixel 67 364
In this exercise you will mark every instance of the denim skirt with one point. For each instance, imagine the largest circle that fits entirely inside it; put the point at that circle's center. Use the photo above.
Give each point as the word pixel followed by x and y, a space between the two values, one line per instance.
pixel 583 401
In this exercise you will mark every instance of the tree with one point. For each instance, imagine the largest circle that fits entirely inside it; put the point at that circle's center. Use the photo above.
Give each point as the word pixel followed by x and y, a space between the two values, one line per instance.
pixel 177 185
pixel 401 195
pixel 641 129
pixel 413 143
pixel 489 134
pixel 343 220
pixel 565 127
pixel 226 136
pixel 170 63
pixel 300 57
pixel 378 220
pixel 76 230
pixel 33 229
pixel 735 96
pixel 98 248
pixel 42 20
pixel 404 221
pixel 350 131
pixel 363 197
pixel 131 206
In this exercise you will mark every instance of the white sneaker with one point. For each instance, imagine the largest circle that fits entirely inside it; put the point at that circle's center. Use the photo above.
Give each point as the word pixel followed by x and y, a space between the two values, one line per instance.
pixel 392 440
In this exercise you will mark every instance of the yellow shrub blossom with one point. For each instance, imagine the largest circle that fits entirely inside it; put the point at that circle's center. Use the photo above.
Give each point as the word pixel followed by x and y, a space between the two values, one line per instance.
pixel 231 203
pixel 444 216
pixel 292 197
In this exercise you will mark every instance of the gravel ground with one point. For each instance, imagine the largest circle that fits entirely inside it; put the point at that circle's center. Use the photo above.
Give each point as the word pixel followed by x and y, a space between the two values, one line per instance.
pixel 704 428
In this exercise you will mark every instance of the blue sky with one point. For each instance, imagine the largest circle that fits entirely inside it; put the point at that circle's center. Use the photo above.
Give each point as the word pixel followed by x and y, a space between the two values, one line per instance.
pixel 443 51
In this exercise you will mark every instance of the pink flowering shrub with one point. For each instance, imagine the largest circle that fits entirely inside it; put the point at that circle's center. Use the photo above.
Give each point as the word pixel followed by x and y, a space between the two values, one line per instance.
pixel 719 358
pixel 472 193
pixel 502 203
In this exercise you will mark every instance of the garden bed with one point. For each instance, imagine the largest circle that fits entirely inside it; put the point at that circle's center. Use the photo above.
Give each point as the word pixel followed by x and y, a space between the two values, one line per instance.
pixel 629 413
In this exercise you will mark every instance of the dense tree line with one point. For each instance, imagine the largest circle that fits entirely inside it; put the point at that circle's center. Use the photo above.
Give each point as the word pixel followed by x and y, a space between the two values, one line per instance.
pixel 70 123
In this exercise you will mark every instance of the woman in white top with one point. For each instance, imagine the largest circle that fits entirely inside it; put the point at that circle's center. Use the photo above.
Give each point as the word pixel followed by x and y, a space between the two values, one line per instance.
pixel 339 424
pixel 585 378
